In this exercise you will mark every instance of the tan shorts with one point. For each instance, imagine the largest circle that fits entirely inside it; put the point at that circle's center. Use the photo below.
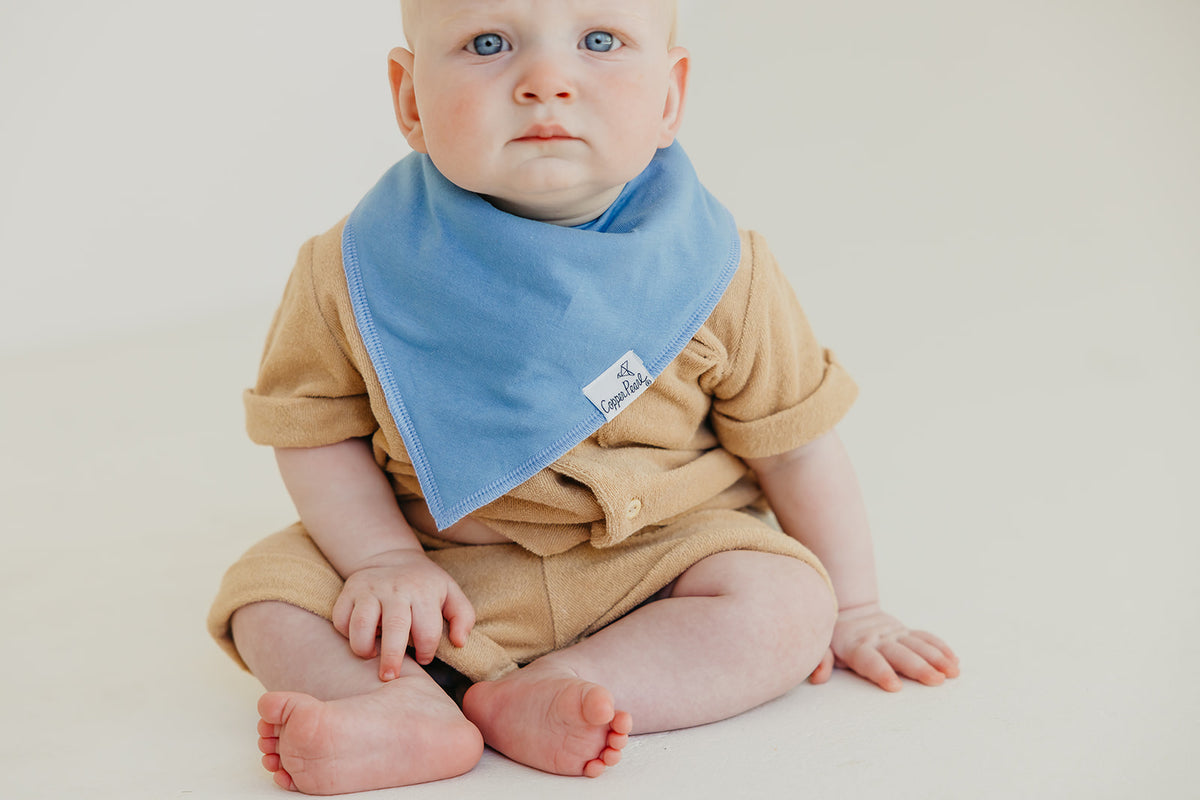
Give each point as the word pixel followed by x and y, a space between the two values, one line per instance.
pixel 525 605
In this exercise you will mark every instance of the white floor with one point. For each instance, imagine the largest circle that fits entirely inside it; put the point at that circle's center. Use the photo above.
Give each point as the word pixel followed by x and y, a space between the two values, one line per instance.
pixel 991 216
pixel 1034 508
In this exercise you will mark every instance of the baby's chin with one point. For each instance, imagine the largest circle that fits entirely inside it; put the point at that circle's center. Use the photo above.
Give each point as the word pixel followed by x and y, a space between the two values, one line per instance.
pixel 563 206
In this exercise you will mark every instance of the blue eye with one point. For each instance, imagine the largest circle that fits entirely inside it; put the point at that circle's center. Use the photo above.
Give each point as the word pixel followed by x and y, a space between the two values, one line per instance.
pixel 601 42
pixel 488 44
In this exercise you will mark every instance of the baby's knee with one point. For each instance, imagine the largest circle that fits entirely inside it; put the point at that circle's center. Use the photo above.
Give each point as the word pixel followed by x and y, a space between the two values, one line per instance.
pixel 793 612
pixel 804 612
pixel 815 604
pixel 780 599
pixel 798 598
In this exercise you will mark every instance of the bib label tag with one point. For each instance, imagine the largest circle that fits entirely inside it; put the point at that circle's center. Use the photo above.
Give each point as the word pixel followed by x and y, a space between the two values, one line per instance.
pixel 619 385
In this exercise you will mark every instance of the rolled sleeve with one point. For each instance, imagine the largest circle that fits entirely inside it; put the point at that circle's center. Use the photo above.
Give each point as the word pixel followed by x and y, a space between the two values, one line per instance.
pixel 794 426
pixel 780 388
pixel 309 393
pixel 306 422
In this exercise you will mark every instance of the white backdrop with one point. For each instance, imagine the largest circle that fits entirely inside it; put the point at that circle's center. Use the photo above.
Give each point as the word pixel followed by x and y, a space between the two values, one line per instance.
pixel 988 209
pixel 165 160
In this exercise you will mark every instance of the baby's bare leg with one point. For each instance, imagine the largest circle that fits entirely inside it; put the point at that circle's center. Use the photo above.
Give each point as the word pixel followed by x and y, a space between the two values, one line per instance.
pixel 736 630
pixel 329 725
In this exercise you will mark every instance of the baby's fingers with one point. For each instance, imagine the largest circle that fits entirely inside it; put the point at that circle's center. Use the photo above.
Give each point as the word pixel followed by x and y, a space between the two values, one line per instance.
pixel 342 610
pixel 824 670
pixel 460 615
pixel 871 664
pixel 911 664
pixel 944 648
pixel 393 641
pixel 426 631
pixel 363 626
pixel 943 661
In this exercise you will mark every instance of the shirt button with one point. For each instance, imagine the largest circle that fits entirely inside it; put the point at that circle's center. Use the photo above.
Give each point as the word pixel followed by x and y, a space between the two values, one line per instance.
pixel 633 509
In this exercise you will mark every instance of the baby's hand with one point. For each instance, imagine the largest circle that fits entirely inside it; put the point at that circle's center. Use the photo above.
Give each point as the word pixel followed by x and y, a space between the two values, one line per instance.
pixel 401 595
pixel 878 646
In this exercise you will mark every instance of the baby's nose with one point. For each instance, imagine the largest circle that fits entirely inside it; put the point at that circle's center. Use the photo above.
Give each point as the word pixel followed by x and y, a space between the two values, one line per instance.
pixel 544 80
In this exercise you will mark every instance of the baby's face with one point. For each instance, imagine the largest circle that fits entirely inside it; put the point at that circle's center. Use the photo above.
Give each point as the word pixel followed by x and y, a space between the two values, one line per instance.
pixel 546 107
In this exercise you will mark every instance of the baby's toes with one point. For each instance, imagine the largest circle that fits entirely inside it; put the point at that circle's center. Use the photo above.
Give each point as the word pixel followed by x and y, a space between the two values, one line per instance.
pixel 596 706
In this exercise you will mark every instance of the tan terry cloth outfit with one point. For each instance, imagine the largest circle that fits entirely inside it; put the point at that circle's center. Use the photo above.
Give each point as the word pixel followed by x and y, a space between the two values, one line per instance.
pixel 652 492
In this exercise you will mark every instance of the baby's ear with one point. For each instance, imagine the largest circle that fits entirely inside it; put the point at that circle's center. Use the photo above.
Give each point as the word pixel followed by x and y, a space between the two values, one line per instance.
pixel 676 95
pixel 404 98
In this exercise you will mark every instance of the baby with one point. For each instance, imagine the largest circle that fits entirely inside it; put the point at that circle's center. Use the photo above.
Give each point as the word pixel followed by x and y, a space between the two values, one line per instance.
pixel 532 401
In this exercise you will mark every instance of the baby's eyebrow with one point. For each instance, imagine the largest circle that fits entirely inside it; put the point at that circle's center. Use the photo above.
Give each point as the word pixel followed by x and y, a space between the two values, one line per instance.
pixel 470 12
pixel 481 13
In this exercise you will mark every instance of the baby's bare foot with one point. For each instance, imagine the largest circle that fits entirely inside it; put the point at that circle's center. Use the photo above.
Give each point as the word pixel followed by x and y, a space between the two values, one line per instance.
pixel 551 720
pixel 395 736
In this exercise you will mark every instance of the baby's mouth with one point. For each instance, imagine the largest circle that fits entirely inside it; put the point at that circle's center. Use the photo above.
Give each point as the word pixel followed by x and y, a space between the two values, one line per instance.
pixel 545 133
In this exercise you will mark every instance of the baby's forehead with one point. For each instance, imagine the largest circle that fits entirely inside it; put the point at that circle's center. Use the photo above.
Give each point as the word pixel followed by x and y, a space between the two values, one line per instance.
pixel 417 12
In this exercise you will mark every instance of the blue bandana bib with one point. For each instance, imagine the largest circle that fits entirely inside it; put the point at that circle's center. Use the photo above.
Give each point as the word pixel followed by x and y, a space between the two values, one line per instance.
pixel 501 342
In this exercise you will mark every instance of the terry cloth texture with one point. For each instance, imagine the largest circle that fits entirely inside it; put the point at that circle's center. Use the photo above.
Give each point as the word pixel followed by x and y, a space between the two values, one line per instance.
pixel 526 605
pixel 751 382
pixel 540 312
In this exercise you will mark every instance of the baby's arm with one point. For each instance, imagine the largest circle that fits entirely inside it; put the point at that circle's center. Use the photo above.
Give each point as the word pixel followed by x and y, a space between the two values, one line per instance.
pixel 815 495
pixel 392 588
